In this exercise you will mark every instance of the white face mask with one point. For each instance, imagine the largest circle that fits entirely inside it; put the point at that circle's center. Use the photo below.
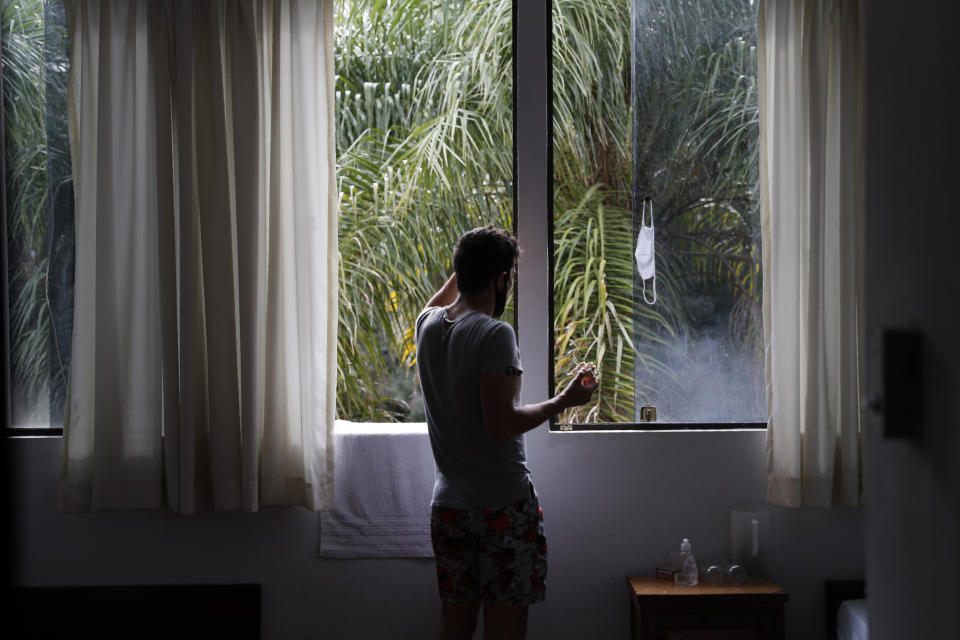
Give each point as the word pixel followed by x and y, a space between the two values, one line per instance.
pixel 646 261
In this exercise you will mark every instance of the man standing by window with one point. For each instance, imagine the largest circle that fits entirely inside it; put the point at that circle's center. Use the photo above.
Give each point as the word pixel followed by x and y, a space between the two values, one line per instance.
pixel 486 522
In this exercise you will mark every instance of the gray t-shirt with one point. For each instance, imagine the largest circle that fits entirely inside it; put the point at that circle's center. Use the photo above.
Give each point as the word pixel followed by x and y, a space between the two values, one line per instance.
pixel 473 470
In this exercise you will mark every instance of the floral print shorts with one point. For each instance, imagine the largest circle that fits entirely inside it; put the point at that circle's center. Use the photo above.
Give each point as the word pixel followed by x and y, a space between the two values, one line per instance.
pixel 496 555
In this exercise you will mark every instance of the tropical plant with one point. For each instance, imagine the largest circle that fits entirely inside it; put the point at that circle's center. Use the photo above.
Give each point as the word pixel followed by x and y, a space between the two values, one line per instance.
pixel 693 147
pixel 424 139
pixel 593 305
pixel 700 159
pixel 26 205
pixel 424 154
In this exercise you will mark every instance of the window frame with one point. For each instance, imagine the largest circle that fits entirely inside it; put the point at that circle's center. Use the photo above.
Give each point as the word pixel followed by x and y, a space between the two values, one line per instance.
pixel 4 271
pixel 555 426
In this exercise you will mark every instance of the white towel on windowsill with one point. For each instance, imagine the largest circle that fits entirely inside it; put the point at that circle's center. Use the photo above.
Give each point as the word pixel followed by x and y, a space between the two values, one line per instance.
pixel 383 482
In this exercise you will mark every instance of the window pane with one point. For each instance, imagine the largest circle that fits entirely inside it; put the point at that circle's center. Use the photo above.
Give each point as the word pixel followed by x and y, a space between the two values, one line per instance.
pixel 424 153
pixel 38 207
pixel 657 99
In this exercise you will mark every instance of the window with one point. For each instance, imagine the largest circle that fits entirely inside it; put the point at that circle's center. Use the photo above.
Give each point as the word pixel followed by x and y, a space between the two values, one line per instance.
pixel 38 213
pixel 424 153
pixel 656 99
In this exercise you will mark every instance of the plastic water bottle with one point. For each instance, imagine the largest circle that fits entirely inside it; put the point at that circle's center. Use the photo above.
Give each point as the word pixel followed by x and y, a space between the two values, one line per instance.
pixel 688 574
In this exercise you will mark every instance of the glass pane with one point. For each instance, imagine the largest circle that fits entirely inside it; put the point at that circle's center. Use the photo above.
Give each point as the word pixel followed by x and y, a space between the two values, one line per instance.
pixel 38 209
pixel 424 153
pixel 656 100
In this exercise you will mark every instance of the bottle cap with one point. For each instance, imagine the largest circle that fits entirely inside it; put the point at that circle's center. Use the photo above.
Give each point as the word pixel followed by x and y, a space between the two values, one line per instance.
pixel 685 545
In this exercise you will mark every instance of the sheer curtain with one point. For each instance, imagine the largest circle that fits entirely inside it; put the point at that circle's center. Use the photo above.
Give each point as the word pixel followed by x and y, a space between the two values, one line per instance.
pixel 204 353
pixel 810 79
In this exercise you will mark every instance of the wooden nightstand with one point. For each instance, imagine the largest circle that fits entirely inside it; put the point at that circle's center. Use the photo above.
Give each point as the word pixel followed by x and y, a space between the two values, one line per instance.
pixel 662 610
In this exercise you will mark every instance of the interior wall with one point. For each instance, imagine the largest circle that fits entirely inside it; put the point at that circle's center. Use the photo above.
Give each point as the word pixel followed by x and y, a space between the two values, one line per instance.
pixel 912 485
pixel 614 503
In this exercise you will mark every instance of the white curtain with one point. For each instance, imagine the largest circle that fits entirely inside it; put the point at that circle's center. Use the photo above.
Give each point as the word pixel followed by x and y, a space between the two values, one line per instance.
pixel 204 362
pixel 811 142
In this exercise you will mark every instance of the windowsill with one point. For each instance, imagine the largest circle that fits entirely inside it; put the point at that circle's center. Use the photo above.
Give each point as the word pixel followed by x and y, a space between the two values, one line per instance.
pixel 343 427
pixel 654 427
pixel 34 432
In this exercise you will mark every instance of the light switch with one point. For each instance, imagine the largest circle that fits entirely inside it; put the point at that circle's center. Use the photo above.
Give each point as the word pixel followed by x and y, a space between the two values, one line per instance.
pixel 902 383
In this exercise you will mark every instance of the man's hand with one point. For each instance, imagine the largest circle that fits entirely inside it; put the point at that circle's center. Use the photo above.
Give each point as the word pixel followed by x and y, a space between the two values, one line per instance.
pixel 581 387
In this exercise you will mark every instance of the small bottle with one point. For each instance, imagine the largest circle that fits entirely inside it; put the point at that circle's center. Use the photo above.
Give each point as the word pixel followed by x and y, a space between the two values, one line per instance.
pixel 688 574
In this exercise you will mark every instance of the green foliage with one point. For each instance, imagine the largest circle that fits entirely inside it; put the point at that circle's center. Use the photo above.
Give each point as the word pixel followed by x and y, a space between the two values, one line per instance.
pixel 424 154
pixel 698 127
pixel 424 139
pixel 593 298
pixel 591 93
pixel 25 152
pixel 694 148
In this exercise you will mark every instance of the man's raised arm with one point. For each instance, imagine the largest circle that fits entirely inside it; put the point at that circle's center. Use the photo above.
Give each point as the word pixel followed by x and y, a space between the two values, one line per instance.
pixel 446 295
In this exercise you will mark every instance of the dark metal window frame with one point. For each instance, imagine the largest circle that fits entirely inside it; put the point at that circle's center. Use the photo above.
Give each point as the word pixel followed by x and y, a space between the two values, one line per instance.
pixel 566 427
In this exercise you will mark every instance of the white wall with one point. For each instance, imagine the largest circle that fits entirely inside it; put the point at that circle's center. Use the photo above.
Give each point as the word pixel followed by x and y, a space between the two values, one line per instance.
pixel 614 503
pixel 913 224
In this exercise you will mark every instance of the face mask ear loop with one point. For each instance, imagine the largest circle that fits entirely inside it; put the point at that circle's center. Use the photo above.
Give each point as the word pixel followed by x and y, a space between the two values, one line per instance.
pixel 654 291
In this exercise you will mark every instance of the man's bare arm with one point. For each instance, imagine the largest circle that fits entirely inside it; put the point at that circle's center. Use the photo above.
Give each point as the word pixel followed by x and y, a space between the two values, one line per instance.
pixel 503 418
pixel 447 294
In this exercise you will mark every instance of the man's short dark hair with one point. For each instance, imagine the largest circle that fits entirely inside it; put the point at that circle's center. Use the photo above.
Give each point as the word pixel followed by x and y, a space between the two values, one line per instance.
pixel 481 255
